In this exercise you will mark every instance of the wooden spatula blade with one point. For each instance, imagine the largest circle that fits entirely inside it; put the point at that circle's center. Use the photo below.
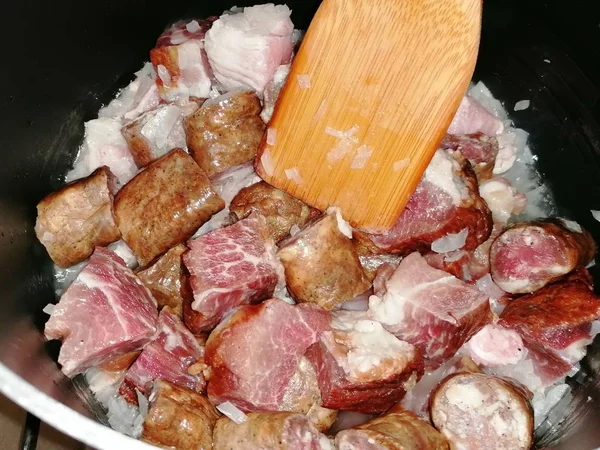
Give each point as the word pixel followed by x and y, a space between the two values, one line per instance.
pixel 370 95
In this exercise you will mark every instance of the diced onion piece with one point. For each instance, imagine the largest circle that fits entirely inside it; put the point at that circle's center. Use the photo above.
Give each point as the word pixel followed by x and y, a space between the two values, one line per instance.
pixel 48 309
pixel 295 229
pixel 596 214
pixel 454 257
pixel 363 153
pixel 399 165
pixel 231 411
pixel 303 80
pixel 193 26
pixel 571 225
pixel 271 136
pixel 450 242
pixel 293 175
pixel 343 226
pixel 178 37
pixel 143 403
pixel 486 285
pixel 522 105
pixel 163 74
pixel 267 162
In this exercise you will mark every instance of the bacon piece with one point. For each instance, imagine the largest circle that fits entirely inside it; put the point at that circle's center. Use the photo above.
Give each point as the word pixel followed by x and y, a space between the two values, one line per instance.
pixel 495 345
pixel 529 255
pixel 479 149
pixel 105 313
pixel 228 267
pixel 361 367
pixel 430 309
pixel 255 352
pixel 472 117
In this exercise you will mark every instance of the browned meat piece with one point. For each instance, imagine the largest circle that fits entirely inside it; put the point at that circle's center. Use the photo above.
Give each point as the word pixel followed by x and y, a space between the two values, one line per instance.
pixel 163 278
pixel 225 132
pixel 72 221
pixel 473 410
pixel 321 265
pixel 179 418
pixel 396 430
pixel 281 210
pixel 267 430
pixel 164 205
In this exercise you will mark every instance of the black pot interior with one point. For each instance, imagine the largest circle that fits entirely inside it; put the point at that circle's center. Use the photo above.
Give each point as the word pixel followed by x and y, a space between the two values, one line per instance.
pixel 62 60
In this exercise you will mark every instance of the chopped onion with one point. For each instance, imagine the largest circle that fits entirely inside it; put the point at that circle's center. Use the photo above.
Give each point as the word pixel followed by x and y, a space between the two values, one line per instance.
pixel 596 214
pixel 163 74
pixel 454 257
pixel 522 105
pixel 295 229
pixel 293 175
pixel 48 309
pixel 231 411
pixel 267 162
pixel 450 242
pixel 143 403
pixel 363 153
pixel 591 264
pixel 401 164
pixel 178 37
pixel 343 226
pixel 271 136
pixel 193 26
pixel 346 141
pixel 486 285
pixel 571 225
pixel 303 80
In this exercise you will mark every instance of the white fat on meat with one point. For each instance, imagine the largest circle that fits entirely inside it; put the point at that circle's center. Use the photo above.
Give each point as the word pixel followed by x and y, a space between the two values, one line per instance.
pixel 194 79
pixel 103 145
pixel 495 346
pixel 272 90
pixel 441 173
pixel 451 242
pixel 245 49
pixel 164 129
pixel 472 117
pixel 502 199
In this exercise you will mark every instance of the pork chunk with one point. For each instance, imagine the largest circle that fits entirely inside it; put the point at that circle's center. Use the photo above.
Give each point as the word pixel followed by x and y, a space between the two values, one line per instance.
pixel 281 210
pixel 321 265
pixel 179 418
pixel 479 149
pixel 164 205
pixel 225 131
pixel 74 220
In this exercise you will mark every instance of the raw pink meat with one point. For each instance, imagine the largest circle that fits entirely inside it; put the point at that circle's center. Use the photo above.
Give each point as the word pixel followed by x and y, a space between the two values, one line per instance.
pixel 245 49
pixel 445 201
pixel 229 267
pixel 105 313
pixel 479 149
pixel 430 309
pixel 255 352
pixel 495 345
pixel 362 367
pixel 472 117
pixel 167 358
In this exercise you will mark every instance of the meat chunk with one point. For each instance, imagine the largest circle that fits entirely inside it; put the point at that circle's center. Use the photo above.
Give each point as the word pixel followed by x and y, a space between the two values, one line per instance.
pixel 473 410
pixel 155 132
pixel 164 205
pixel 105 313
pixel 445 201
pixel 225 131
pixel 168 357
pixel 281 210
pixel 430 309
pixel 180 61
pixel 396 430
pixel 495 345
pixel 321 265
pixel 479 149
pixel 163 279
pixel 472 117
pixel 255 352
pixel 529 255
pixel 362 367
pixel 268 430
pixel 179 418
pixel 245 49
pixel 272 90
pixel 229 267
pixel 72 221
pixel 503 200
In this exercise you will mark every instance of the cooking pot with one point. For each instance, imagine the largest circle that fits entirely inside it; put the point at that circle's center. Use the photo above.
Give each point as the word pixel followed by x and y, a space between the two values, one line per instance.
pixel 62 60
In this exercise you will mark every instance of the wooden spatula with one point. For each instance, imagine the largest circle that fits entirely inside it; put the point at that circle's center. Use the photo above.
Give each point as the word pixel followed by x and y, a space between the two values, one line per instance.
pixel 371 92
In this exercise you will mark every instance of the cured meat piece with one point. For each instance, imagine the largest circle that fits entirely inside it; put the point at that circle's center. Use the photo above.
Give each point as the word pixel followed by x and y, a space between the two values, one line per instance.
pixel 502 199
pixel 164 205
pixel 269 430
pixel 228 267
pixel 479 149
pixel 105 313
pixel 168 357
pixel 179 418
pixel 139 96
pixel 472 117
pixel 361 367
pixel 72 221
pixel 154 133
pixel 225 131
pixel 321 264
pixel 473 410
pixel 245 49
pixel 180 61
pixel 495 345
pixel 430 309
pixel 163 279
pixel 445 201
pixel 281 210
pixel 555 323
pixel 272 90
pixel 371 262
pixel 103 145
pixel 529 255
pixel 396 430
pixel 255 352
